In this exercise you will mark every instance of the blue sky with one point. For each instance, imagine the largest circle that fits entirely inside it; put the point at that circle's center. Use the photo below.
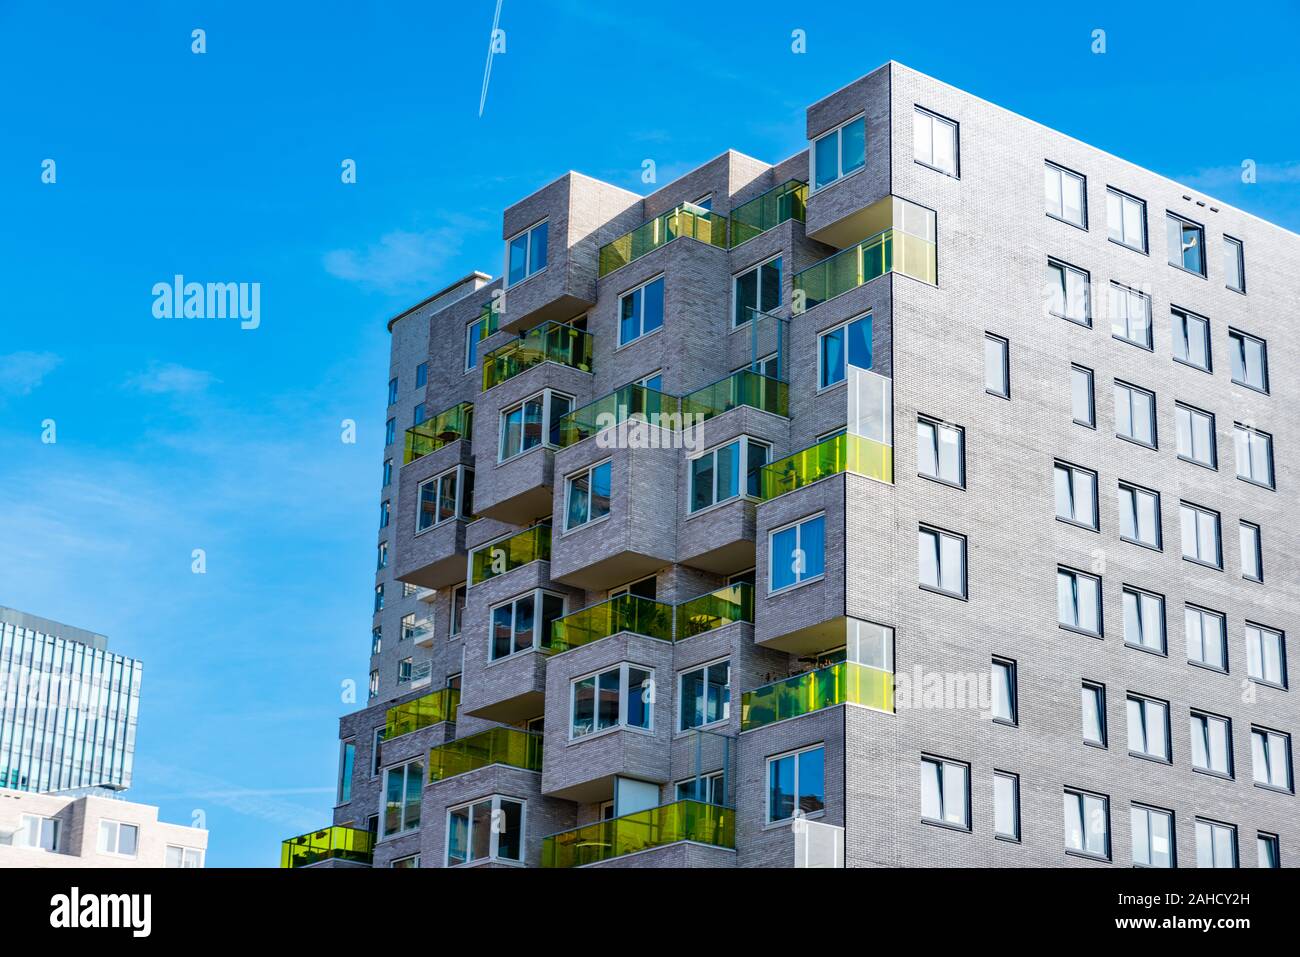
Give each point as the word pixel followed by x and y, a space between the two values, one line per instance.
pixel 181 434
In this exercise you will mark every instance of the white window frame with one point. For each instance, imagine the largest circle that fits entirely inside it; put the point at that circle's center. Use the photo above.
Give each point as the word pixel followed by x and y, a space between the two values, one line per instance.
pixel 529 271
pixel 405 767
pixel 37 823
pixel 548 400
pixel 1054 177
pixel 588 471
pixel 538 596
pixel 1120 235
pixel 742 475
pixel 460 515
pixel 938 430
pixel 943 820
pixel 640 319
pixel 1200 723
pixel 111 826
pixel 758 269
pixel 188 862
pixel 921 115
pixel 494 840
pixel 681 695
pixel 1198 513
pixel 1265 745
pixel 797 755
pixel 841 173
pixel 624 692
pixel 1186 419
pixel 798 547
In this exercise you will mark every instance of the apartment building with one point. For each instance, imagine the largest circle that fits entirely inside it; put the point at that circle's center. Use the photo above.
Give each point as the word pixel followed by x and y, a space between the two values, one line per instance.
pixel 925 498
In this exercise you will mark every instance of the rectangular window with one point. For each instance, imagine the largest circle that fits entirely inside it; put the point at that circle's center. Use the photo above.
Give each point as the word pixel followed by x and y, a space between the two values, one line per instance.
pixel 796 781
pixel 1153 836
pixel 403 788
pixel 1076 495
pixel 186 857
pixel 1094 714
pixel 1252 556
pixel 1126 220
pixel 1139 515
pixel 934 140
pixel 390 432
pixel 1130 315
pixel 1005 709
pixel 1087 824
pixel 417 416
pixel 1078 601
pixel 756 290
pixel 388 473
pixel 392 391
pixel 1234 264
pixel 529 424
pixel 941 451
pixel 385 510
pixel 1200 527
pixel 1196 436
pixel 407 624
pixel 848 344
pixel 1186 244
pixel 444 498
pixel 379 598
pixel 1266 655
pixel 1211 741
pixel 1083 404
pixel 1135 414
pixel 517 626
pixel 1207 637
pixel 405 670
pixel 1144 619
pixel 1271 758
pixel 945 792
pixel 1065 195
pixel 374 683
pixel 39 833
pixel 457 615
pixel 421 375
pixel 619 697
pixel 1070 292
pixel 796 553
pixel 382 561
pixel 1254 455
pixel 473 333
pixel 997 370
pixel 704 696
pixel 1249 360
pixel 727 472
pixel 839 152
pixel 707 788
pixel 1192 340
pixel 1267 847
pixel 347 761
pixel 1148 728
pixel 488 830
pixel 526 253
pixel 1006 805
pixel 941 561
pixel 587 495
pixel 376 640
pixel 118 839
pixel 641 311
pixel 1216 844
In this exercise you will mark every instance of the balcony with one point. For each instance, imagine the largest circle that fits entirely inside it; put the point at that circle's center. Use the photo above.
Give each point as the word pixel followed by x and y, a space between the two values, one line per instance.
pixel 641 616
pixel 687 220
pixel 890 250
pixel 421 633
pixel 496 558
pixel 843 683
pixel 640 831
pixel 768 211
pixel 714 610
pixel 843 453
pixel 631 401
pixel 744 387
pixel 421 713
pixel 549 342
pixel 334 843
pixel 519 749
pixel 446 427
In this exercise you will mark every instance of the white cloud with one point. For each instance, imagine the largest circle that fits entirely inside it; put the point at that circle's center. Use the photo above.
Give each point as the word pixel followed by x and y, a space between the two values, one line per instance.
pixel 21 372
pixel 169 378
pixel 399 260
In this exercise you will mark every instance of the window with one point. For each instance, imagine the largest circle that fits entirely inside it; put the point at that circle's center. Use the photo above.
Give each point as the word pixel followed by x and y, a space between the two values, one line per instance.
pixel 392 391
pixel 473 333
pixel 405 670
pixel 1083 405
pixel 1254 455
pixel 408 589
pixel 457 615
pixel 383 557
pixel 1186 244
pixel 1094 714
pixel 488 830
pixel 379 598
pixel 1144 620
pixel 707 788
pixel 1200 528
pixel 1135 414
pixel 444 498
pixel 997 372
pixel 405 863
pixel 1126 220
pixel 849 343
pixel 528 425
pixel 177 856
pixel 1153 836
pixel 641 311
pixel 407 624
pixel 346 762
pixel 390 432
pixel 1076 495
pixel 388 473
pixel 941 560
pixel 1006 805
pixel 376 640
pixel 526 253
pixel 1087 824
pixel 587 495
pixel 756 290
pixel 1267 847
pixel 1271 758
pixel 704 696
pixel 797 553
pixel 945 792
pixel 718 474
pixel 1252 560
pixel 1249 360
pixel 1005 709
pixel 1065 194
pixel 1078 601
pixel 642 588
pixel 374 683
pixel 421 375
pixel 39 833
pixel 118 839
pixel 1069 290
pixel 1207 637
pixel 1211 740
pixel 417 416
pixel 1130 315
pixel 1266 655
pixel 517 627
pixel 941 451
pixel 935 141
pixel 1216 844
pixel 376 751
pixel 1196 436
pixel 1234 264
pixel 1139 515
pixel 1192 340
pixel 385 510
pixel 619 697
pixel 403 788
pixel 796 783
pixel 839 152
pixel 1148 728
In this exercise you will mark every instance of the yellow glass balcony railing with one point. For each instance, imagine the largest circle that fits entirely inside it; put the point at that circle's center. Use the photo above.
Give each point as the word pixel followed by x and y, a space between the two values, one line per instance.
pixel 744 387
pixel 488 321
pixel 687 220
pixel 843 683
pixel 519 749
pixel 497 558
pixel 717 608
pixel 641 616
pixel 330 843
pixel 631 401
pixel 888 250
pixel 548 342
pixel 446 427
pixel 768 210
pixel 843 453
pixel 641 831
pixel 421 712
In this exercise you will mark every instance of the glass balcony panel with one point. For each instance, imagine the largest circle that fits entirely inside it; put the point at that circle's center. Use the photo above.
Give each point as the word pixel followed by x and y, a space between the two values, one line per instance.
pixel 330 843
pixel 510 746
pixel 768 210
pixel 888 250
pixel 845 682
pixel 421 712
pixel 548 342
pixel 641 831
pixel 446 427
pixel 684 220
pixel 714 610
pixel 744 387
pixel 632 613
pixel 497 558
pixel 843 453
pixel 617 407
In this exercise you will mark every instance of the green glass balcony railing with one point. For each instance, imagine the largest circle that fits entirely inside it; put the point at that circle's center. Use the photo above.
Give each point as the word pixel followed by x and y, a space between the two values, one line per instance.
pixel 519 749
pixel 641 616
pixel 421 712
pixel 842 683
pixel 717 608
pixel 497 558
pixel 768 210
pixel 744 387
pixel 330 843
pixel 687 220
pixel 548 342
pixel 619 406
pixel 843 453
pixel 444 428
pixel 888 250
pixel 641 831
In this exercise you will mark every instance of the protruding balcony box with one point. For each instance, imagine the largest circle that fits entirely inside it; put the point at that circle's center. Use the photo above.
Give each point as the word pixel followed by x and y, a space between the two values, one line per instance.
pixel 508 552
pixel 448 426
pixel 435 557
pixel 334 846
pixel 843 683
pixel 556 342
pixel 684 221
pixel 642 831
pixel 501 745
pixel 413 726
pixel 767 211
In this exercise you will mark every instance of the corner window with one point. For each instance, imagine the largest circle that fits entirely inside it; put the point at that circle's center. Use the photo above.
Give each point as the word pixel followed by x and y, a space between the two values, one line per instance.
pixel 756 290
pixel 1200 528
pixel 1148 727
pixel 526 253
pixel 1005 710
pixel 796 553
pixel 1069 292
pixel 1083 404
pixel 1249 360
pixel 941 560
pixel 1211 741
pixel 1087 824
pixel 641 311
pixel 1139 515
pixel 934 141
pixel 1254 455
pixel 723 473
pixel 445 498
pixel 941 451
pixel 1130 315
pixel 1153 836
pixel 839 152
pixel 1094 714
pixel 704 696
pixel 118 839
pixel 1196 436
pixel 1216 844
pixel 587 495
pixel 945 792
pixel 1252 558
pixel 796 784
pixel 1144 619
pixel 1186 244
pixel 849 343
pixel 1006 805
pixel 1266 655
pixel 1234 264
pixel 524 623
pixel 490 829
pixel 1076 495
pixel 403 789
pixel 1192 340
pixel 1065 195
pixel 1126 220
pixel 1271 758
pixel 1207 637
pixel 1135 414
pixel 529 424
pixel 619 697
pixel 1078 601
pixel 997 372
